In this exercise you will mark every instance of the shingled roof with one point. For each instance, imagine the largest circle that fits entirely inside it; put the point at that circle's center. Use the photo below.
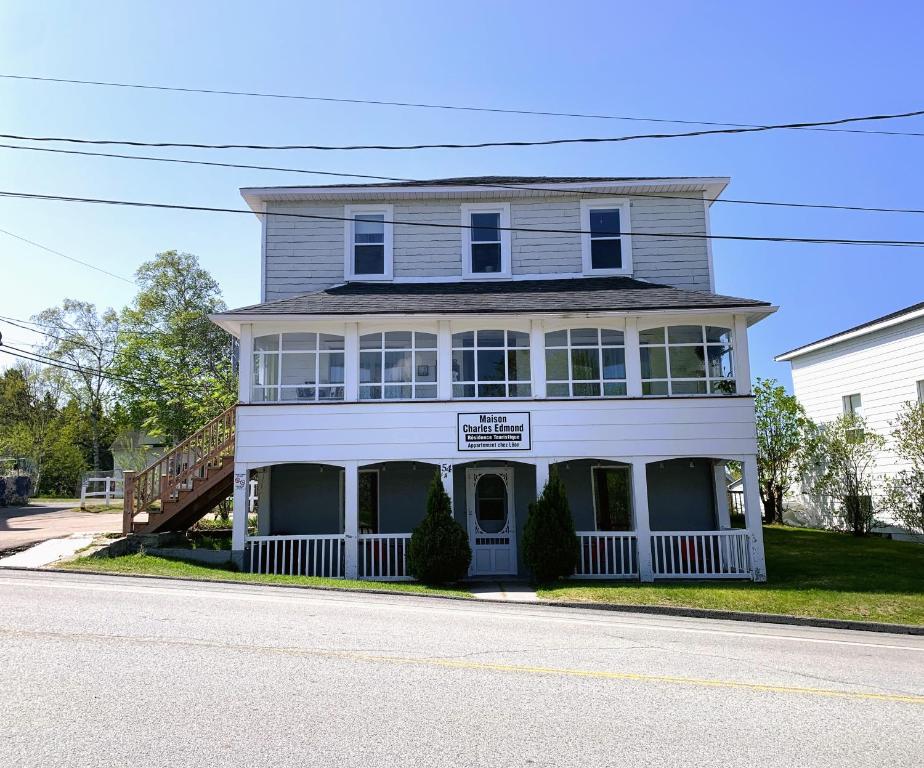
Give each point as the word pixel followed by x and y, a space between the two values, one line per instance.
pixel 589 294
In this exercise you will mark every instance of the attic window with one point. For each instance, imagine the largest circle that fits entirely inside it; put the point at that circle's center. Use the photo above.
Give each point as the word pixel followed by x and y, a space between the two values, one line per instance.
pixel 368 243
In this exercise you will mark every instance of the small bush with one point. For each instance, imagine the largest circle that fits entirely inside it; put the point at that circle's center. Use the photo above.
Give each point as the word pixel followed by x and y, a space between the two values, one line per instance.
pixel 439 551
pixel 550 545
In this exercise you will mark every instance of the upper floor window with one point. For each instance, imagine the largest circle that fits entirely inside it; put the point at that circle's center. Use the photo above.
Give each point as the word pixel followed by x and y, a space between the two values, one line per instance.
pixel 687 360
pixel 486 240
pixel 853 407
pixel 585 362
pixel 490 364
pixel 605 248
pixel 297 367
pixel 368 239
pixel 397 365
pixel 921 391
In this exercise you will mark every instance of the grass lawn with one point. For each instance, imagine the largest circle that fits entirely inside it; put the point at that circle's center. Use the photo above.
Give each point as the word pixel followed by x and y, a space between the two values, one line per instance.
pixel 810 573
pixel 162 566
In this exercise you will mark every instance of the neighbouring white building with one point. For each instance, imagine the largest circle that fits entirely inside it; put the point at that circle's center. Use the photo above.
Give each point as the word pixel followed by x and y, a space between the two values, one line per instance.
pixel 486 329
pixel 871 370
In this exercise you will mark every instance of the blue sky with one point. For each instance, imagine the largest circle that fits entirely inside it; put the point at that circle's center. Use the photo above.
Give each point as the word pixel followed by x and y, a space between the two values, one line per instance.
pixel 730 62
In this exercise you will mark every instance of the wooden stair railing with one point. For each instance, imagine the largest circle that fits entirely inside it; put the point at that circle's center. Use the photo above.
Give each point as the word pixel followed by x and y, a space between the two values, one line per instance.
pixel 178 469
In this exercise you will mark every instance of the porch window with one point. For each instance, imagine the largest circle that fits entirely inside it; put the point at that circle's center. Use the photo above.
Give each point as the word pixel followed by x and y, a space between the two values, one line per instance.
pixel 397 365
pixel 585 362
pixel 490 364
pixel 687 360
pixel 297 367
pixel 612 502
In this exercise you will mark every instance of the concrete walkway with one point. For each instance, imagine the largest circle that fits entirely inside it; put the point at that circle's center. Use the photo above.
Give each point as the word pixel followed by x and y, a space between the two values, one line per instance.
pixel 515 592
pixel 47 552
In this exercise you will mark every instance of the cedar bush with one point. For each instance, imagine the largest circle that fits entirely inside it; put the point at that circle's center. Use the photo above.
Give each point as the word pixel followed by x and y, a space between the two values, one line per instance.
pixel 550 545
pixel 439 551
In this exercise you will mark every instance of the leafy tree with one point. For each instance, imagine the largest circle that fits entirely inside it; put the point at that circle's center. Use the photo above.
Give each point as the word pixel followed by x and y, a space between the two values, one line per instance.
pixel 550 545
pixel 177 363
pixel 28 412
pixel 439 551
pixel 904 492
pixel 85 342
pixel 781 432
pixel 844 453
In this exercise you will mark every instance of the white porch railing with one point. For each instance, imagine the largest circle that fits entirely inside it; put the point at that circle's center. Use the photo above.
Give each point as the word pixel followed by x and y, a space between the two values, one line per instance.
pixel 606 554
pixel 706 554
pixel 383 556
pixel 297 555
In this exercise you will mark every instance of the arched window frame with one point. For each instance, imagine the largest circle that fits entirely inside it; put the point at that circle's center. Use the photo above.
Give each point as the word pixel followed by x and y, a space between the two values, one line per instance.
pixel 477 387
pixel 274 353
pixel 672 385
pixel 424 364
pixel 606 344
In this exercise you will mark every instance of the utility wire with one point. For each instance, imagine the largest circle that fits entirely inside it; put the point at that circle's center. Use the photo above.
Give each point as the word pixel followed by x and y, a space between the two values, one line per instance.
pixel 400 179
pixel 65 256
pixel 419 105
pixel 75 342
pixel 475 145
pixel 542 230
pixel 35 357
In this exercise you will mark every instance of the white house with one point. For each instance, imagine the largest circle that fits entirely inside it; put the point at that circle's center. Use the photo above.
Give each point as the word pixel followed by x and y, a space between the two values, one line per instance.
pixel 486 329
pixel 871 370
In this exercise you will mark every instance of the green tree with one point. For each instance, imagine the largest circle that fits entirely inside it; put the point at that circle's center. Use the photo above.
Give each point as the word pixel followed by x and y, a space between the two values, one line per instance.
pixel 844 454
pixel 28 411
pixel 439 551
pixel 85 341
pixel 550 545
pixel 176 362
pixel 781 430
pixel 903 493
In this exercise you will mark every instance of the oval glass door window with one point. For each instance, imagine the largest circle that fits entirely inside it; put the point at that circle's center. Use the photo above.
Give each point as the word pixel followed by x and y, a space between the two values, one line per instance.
pixel 491 503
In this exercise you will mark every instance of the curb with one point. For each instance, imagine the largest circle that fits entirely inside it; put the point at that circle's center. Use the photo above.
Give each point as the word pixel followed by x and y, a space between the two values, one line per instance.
pixel 654 610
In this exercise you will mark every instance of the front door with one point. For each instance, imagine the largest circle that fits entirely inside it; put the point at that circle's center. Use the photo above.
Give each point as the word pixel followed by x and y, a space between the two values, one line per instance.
pixel 491 520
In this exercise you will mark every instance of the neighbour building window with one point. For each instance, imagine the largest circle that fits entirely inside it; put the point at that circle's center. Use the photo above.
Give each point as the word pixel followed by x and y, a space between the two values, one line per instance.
pixel 490 364
pixel 921 391
pixel 486 240
pixel 606 248
pixel 297 367
pixel 368 238
pixel 853 406
pixel 687 360
pixel 585 362
pixel 612 502
pixel 397 365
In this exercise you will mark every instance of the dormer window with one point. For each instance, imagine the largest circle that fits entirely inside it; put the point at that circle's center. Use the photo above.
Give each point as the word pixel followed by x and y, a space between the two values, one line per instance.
pixel 605 248
pixel 368 240
pixel 486 240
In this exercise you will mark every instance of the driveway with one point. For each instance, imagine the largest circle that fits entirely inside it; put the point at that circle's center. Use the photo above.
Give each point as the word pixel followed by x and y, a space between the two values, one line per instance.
pixel 23 526
pixel 113 671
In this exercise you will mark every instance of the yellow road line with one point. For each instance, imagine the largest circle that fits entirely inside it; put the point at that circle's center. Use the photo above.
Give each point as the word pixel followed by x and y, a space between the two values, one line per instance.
pixel 899 698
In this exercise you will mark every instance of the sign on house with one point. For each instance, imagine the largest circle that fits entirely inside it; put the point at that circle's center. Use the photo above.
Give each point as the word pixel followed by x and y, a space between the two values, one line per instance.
pixel 493 431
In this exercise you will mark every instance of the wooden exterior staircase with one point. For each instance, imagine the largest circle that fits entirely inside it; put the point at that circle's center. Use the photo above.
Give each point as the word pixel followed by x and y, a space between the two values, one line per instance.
pixel 183 485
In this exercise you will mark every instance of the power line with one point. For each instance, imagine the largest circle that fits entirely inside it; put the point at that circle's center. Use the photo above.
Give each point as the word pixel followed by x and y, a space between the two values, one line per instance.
pixel 75 342
pixel 542 230
pixel 400 179
pixel 121 331
pixel 422 105
pixel 475 145
pixel 69 258
pixel 35 357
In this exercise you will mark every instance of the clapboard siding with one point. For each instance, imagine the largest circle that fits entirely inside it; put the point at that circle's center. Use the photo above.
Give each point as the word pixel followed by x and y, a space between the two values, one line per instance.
pixel 560 429
pixel 304 255
pixel 883 367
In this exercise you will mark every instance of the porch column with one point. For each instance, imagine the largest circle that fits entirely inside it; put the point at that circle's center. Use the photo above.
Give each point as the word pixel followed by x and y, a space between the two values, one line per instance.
pixel 446 475
pixel 245 363
pixel 642 525
pixel 742 360
pixel 537 357
pixel 351 520
pixel 542 475
pixel 351 363
pixel 720 483
pixel 633 359
pixel 444 361
pixel 240 504
pixel 753 517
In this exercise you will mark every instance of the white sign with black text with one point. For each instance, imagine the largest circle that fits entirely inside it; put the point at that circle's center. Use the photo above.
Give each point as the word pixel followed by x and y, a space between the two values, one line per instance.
pixel 493 432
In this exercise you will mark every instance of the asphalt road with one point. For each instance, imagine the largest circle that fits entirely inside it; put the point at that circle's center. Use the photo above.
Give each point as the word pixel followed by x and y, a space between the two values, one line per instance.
pixel 35 522
pixel 111 671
